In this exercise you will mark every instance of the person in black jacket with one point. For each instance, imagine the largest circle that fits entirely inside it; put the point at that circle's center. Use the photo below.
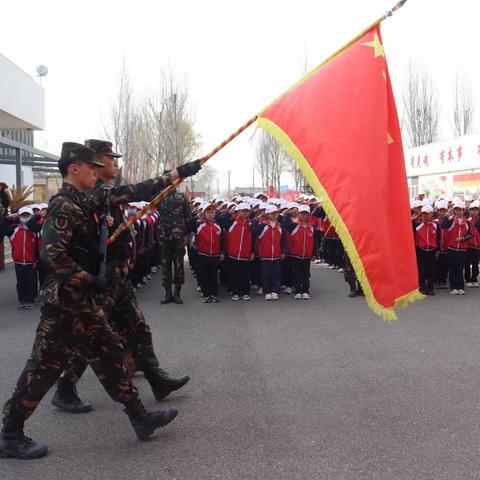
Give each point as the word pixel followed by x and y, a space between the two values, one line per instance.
pixel 4 199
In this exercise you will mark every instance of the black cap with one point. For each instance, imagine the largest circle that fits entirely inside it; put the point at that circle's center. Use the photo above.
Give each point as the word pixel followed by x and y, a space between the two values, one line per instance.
pixel 72 152
pixel 102 146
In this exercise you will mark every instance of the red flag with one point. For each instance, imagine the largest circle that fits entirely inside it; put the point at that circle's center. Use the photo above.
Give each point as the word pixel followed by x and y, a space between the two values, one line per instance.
pixel 340 124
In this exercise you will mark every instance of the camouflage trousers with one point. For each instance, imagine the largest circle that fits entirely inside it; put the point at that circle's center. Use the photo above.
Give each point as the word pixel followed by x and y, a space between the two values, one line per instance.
pixel 127 319
pixel 172 253
pixel 59 334
pixel 349 275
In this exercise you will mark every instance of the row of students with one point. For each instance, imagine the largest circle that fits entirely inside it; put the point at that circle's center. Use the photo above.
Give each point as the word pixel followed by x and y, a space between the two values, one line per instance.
pixel 447 244
pixel 255 247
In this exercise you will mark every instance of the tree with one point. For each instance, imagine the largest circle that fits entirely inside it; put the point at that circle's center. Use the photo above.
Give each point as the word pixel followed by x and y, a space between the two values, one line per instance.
pixel 463 109
pixel 152 132
pixel 271 161
pixel 421 108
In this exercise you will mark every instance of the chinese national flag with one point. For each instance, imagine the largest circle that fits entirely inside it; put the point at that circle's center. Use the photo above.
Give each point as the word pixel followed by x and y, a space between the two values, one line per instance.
pixel 340 124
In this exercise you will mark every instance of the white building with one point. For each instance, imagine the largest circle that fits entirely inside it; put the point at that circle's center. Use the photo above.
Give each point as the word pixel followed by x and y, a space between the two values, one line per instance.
pixel 451 167
pixel 22 110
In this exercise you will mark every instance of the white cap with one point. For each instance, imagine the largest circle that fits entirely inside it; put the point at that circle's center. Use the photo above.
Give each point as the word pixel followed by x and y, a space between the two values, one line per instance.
pixel 242 206
pixel 442 204
pixel 263 206
pixel 427 209
pixel 230 204
pixel 197 200
pixel 207 205
pixel 303 208
pixel 468 198
pixel 459 204
pixel 23 210
pixel 259 194
pixel 293 205
pixel 271 209
pixel 284 204
pixel 415 204
pixel 475 204
pixel 43 205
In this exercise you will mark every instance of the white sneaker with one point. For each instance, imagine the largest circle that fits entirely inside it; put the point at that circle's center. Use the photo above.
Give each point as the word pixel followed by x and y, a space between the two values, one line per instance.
pixel 246 298
pixel 268 296
pixel 235 298
pixel 298 296
pixel 288 290
pixel 454 292
pixel 275 296
pixel 341 270
pixel 331 267
pixel 469 285
pixel 154 269
pixel 475 285
pixel 306 296
pixel 199 289
pixel 461 292
pixel 260 291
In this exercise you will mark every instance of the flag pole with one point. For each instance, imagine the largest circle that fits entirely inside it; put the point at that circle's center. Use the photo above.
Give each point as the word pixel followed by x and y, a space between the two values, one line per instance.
pixel 164 193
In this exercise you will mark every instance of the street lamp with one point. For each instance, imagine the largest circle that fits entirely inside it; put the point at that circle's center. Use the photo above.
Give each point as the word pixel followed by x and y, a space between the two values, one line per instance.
pixel 42 71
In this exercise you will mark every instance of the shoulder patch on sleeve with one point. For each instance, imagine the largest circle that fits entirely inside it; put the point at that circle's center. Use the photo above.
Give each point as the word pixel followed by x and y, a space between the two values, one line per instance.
pixel 60 221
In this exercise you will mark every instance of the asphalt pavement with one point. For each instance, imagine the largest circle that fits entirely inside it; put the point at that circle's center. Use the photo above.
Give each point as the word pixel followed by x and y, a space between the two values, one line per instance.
pixel 294 389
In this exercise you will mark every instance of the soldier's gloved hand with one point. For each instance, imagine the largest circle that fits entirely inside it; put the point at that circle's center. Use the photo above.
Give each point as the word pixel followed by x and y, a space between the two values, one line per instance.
pixel 189 169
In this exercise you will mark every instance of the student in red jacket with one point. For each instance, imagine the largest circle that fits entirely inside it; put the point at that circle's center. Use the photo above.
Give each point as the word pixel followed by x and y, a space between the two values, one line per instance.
pixel 240 252
pixel 427 243
pixel 25 255
pixel 473 252
pixel 441 267
pixel 300 250
pixel 459 234
pixel 209 248
pixel 271 249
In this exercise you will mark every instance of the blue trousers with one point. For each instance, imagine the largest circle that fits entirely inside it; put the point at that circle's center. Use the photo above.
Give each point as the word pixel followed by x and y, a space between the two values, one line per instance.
pixel 271 276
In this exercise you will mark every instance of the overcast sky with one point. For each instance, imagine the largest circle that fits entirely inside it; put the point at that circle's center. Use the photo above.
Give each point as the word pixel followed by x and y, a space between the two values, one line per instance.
pixel 237 56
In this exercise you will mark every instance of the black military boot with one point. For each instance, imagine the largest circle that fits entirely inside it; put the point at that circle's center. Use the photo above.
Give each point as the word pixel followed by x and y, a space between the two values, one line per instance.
pixel 353 290
pixel 168 296
pixel 162 385
pixel 14 444
pixel 144 423
pixel 360 289
pixel 67 400
pixel 177 298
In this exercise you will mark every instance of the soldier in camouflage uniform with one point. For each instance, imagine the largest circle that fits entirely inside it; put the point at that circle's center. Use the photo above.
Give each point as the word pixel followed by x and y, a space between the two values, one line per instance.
pixel 351 278
pixel 175 214
pixel 118 300
pixel 70 318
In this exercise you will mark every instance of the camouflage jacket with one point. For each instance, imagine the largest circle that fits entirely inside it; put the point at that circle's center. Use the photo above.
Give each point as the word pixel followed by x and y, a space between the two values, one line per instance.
pixel 118 253
pixel 175 214
pixel 70 240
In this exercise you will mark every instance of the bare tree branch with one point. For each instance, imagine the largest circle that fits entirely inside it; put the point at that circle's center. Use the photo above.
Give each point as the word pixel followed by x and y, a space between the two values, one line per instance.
pixel 421 108
pixel 463 107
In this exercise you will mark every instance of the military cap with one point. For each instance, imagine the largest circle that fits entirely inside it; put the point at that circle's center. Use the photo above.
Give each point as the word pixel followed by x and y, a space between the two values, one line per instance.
pixel 102 146
pixel 72 152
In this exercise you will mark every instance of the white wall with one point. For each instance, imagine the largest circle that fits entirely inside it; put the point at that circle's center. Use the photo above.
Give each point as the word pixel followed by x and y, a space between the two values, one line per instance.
pixel 8 175
pixel 22 100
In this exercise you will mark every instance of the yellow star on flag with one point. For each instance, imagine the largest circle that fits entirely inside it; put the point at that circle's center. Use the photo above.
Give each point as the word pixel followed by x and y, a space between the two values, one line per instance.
pixel 389 139
pixel 379 51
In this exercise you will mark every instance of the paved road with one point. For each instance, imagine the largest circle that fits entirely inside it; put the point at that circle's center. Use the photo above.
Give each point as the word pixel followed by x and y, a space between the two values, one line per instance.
pixel 285 390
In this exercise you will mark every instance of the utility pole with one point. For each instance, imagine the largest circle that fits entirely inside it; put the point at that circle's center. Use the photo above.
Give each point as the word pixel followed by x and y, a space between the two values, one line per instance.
pixel 228 190
pixel 253 180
